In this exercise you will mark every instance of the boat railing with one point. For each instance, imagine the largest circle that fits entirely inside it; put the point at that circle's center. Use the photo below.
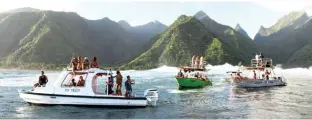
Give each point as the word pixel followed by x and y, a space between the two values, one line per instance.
pixel 264 62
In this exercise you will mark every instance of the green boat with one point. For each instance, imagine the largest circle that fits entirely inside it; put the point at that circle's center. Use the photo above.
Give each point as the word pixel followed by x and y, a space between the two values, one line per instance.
pixel 195 76
pixel 192 83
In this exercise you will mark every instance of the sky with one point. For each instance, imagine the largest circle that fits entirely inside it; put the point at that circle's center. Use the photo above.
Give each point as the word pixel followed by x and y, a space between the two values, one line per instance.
pixel 250 14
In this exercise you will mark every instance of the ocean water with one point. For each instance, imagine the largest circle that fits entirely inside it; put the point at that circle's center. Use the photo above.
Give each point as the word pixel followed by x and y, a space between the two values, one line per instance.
pixel 220 101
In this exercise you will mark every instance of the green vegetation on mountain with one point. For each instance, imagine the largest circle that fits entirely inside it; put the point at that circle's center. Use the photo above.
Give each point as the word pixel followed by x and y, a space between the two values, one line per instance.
pixel 48 38
pixel 290 45
pixel 302 58
pixel 239 47
pixel 188 36
pixel 282 27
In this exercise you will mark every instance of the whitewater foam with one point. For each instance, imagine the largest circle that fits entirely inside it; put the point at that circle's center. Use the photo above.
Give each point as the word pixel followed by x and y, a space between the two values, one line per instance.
pixel 30 77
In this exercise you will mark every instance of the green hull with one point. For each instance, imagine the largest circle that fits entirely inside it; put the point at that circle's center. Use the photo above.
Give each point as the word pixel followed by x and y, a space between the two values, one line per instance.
pixel 192 83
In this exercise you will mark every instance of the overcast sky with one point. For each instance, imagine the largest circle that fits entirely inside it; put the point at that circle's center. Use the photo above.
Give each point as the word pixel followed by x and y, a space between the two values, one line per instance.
pixel 250 14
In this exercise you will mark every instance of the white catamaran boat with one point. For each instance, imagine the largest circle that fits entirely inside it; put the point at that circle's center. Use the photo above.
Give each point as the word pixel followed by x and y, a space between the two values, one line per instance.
pixel 263 75
pixel 61 92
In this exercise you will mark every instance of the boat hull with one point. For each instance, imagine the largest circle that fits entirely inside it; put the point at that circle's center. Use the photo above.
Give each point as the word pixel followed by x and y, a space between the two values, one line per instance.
pixel 192 83
pixel 259 83
pixel 53 99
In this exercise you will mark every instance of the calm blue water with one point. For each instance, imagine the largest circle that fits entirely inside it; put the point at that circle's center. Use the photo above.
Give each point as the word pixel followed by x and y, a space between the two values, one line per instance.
pixel 216 102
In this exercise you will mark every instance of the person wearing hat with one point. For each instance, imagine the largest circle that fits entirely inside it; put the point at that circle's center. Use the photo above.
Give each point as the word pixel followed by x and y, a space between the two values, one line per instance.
pixel 86 63
pixel 43 79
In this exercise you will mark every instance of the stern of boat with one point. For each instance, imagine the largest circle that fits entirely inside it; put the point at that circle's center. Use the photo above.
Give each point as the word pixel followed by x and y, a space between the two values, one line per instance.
pixel 151 96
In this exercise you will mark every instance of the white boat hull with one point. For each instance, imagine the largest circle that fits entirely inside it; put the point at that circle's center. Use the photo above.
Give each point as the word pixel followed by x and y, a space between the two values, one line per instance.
pixel 98 100
pixel 259 83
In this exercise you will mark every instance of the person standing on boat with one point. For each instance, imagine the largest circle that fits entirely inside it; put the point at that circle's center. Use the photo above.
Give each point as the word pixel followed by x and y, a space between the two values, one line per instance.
pixel 254 75
pixel 267 74
pixel 110 85
pixel 43 79
pixel 110 70
pixel 94 63
pixel 193 61
pixel 261 56
pixel 201 62
pixel 128 87
pixel 86 64
pixel 80 63
pixel 119 83
pixel 74 63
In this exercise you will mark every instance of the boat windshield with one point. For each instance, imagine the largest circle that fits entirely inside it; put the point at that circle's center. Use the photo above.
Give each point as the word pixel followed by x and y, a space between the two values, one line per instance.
pixel 99 83
pixel 72 79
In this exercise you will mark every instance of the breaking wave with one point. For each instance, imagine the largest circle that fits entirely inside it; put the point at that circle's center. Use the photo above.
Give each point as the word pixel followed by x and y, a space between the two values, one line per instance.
pixel 29 77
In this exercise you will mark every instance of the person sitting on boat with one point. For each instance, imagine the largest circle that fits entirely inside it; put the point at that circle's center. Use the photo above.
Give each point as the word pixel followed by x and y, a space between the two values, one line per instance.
pixel 86 64
pixel 196 75
pixel 268 64
pixel 254 75
pixel 267 74
pixel 94 63
pixel 239 77
pixel 73 83
pixel 80 63
pixel 74 63
pixel 119 83
pixel 43 79
pixel 81 82
pixel 128 87
pixel 110 85
pixel 180 74
pixel 205 77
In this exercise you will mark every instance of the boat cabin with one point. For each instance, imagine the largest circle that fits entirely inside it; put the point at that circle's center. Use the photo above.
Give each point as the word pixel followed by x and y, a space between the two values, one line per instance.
pixel 94 83
pixel 261 62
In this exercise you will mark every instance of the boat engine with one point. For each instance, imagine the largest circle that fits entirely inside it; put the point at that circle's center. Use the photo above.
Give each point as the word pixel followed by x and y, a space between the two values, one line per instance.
pixel 151 96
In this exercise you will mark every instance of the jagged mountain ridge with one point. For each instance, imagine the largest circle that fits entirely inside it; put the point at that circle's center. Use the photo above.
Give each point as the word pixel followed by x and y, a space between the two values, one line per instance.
pixel 50 37
pixel 239 29
pixel 188 36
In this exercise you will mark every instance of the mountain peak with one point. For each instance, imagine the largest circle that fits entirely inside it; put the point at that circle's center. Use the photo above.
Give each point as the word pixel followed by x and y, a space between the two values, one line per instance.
pixel 124 24
pixel 293 18
pixel 200 15
pixel 238 27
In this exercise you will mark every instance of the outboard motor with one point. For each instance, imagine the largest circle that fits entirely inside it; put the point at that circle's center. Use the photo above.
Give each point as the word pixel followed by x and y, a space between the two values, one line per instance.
pixel 152 96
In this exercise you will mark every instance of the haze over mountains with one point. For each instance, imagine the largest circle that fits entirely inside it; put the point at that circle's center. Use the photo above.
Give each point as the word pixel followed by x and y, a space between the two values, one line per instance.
pixel 31 37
